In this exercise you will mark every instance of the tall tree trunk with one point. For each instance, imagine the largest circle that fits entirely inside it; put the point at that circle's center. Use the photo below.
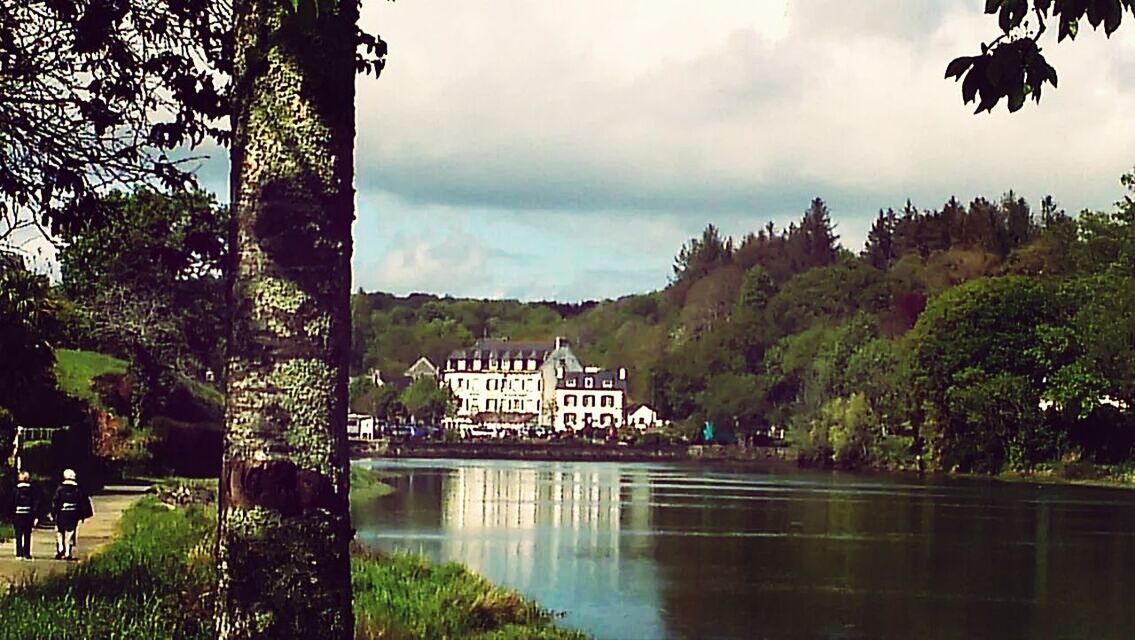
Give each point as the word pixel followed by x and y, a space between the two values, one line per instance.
pixel 285 527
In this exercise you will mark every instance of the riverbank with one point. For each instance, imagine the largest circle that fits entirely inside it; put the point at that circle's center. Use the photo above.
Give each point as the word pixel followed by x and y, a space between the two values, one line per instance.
pixel 154 581
pixel 570 451
pixel 1120 476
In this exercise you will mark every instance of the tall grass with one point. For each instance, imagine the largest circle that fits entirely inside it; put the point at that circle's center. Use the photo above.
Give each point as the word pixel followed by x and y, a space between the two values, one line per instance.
pixel 402 597
pixel 151 583
pixel 155 583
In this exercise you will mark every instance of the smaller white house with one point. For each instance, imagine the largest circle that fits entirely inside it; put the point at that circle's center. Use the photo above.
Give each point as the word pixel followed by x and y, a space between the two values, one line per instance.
pixel 643 417
pixel 592 398
pixel 360 426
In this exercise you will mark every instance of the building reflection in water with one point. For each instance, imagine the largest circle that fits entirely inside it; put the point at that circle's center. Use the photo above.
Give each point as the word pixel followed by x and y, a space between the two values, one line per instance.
pixel 576 534
pixel 655 551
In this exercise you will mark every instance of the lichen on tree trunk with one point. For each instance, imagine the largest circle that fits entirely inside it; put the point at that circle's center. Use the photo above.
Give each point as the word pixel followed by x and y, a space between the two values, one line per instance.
pixel 285 526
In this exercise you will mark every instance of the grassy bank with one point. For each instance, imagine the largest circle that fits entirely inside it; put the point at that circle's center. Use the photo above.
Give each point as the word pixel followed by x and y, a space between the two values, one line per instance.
pixel 154 582
pixel 367 485
pixel 76 369
pixel 1104 475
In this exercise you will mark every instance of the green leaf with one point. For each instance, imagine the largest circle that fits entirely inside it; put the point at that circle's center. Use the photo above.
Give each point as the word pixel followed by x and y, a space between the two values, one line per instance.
pixel 989 99
pixel 1114 17
pixel 958 66
pixel 971 84
pixel 1016 98
pixel 1096 12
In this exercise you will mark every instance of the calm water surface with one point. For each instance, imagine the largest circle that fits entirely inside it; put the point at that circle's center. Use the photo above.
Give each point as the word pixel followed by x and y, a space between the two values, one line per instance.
pixel 645 551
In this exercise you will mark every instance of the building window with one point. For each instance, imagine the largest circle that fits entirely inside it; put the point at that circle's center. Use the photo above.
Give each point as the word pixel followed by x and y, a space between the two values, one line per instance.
pixel 589 401
pixel 505 364
pixel 461 365
pixel 517 364
pixel 569 418
pixel 607 401
pixel 532 364
pixel 491 404
pixel 606 419
pixel 569 400
pixel 477 364
pixel 571 382
pixel 493 363
pixel 588 382
pixel 607 384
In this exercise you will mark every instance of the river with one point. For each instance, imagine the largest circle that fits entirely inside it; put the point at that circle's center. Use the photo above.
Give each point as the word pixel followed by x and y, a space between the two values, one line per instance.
pixel 652 551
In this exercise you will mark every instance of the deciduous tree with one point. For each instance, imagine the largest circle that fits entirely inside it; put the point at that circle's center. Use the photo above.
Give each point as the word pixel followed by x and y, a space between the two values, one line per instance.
pixel 285 526
pixel 1013 66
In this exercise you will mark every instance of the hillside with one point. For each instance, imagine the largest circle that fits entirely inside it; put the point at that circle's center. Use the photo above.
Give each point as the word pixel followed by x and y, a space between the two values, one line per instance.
pixel 942 339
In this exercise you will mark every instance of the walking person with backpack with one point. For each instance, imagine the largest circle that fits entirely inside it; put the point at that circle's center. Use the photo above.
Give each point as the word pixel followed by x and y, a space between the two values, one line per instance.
pixel 25 514
pixel 70 507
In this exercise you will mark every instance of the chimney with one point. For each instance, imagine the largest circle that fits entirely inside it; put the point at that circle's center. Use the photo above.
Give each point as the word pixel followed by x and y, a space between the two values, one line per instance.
pixel 622 373
pixel 560 370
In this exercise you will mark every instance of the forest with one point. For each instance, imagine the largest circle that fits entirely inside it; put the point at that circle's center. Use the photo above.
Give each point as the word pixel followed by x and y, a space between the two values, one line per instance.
pixel 984 336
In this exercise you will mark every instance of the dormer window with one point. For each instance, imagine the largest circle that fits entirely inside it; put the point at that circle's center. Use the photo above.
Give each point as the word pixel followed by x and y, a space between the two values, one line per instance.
pixel 607 384
pixel 588 382
pixel 571 383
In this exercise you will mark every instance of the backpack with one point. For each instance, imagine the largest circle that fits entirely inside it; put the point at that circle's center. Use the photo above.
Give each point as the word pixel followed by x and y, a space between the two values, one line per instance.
pixel 86 509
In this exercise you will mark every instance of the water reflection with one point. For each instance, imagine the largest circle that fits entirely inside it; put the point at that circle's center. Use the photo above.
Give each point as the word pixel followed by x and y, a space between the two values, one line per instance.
pixel 651 551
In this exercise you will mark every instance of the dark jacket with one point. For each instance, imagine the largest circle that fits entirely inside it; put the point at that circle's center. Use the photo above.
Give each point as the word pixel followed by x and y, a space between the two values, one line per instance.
pixel 70 506
pixel 25 502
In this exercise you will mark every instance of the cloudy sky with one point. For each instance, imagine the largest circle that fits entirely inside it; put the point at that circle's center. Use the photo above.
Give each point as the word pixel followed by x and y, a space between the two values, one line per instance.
pixel 524 149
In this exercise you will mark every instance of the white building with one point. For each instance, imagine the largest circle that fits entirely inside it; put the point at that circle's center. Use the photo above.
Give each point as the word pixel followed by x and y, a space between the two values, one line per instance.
pixel 500 383
pixel 360 426
pixel 423 368
pixel 590 398
pixel 643 417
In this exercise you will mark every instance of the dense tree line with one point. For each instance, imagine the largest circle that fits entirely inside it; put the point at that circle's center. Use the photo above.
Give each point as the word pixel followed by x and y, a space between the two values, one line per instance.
pixel 978 336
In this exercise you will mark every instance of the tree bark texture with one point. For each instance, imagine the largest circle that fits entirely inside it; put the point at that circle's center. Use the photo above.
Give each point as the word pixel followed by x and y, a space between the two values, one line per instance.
pixel 285 527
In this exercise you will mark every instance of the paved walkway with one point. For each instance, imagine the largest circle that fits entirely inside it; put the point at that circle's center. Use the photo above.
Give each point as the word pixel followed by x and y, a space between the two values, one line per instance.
pixel 93 534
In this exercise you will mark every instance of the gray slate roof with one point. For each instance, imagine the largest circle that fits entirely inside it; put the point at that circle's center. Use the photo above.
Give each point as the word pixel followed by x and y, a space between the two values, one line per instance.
pixel 597 380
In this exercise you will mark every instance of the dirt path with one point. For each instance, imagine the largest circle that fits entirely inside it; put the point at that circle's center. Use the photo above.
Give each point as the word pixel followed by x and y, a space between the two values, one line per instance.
pixel 93 534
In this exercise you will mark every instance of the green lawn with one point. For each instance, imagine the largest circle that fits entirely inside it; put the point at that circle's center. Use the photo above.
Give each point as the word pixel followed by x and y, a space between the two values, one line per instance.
pixel 76 369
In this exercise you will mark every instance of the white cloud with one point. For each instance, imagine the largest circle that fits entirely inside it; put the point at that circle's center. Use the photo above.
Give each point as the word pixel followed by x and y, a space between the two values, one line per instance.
pixel 706 108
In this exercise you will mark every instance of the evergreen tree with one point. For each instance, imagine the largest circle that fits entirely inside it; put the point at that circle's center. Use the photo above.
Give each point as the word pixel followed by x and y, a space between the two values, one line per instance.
pixel 880 248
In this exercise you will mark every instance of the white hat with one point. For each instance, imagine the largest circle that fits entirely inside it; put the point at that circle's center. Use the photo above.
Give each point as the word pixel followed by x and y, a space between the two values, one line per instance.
pixel 69 474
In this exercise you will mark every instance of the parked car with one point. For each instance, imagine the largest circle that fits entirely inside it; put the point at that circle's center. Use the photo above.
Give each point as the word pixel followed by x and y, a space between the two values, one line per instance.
pixel 476 431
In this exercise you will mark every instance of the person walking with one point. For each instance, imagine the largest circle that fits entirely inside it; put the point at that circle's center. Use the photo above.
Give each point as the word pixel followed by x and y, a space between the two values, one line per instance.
pixel 25 514
pixel 70 507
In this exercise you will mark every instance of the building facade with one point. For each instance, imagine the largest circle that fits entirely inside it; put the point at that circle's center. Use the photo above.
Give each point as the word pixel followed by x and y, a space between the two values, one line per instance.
pixel 642 417
pixel 590 398
pixel 499 383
